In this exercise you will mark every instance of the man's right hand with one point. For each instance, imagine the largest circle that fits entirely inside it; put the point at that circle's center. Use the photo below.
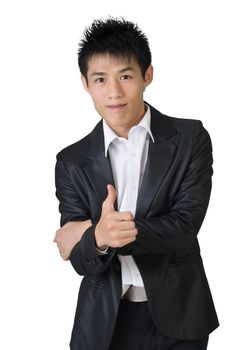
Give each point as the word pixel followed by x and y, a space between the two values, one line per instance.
pixel 114 229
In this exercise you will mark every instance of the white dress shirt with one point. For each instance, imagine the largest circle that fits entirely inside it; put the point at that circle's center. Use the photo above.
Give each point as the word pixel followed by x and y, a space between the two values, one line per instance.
pixel 128 159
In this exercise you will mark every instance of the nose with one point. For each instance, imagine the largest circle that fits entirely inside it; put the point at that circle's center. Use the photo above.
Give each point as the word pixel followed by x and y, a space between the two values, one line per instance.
pixel 115 90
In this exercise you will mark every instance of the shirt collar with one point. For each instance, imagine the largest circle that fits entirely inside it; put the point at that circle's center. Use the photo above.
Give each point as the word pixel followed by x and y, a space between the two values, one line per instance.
pixel 110 135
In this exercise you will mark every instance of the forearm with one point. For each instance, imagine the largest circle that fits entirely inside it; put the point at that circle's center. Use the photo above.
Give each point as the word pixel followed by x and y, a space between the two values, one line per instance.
pixel 85 258
pixel 67 236
pixel 172 231
pixel 180 224
pixel 165 234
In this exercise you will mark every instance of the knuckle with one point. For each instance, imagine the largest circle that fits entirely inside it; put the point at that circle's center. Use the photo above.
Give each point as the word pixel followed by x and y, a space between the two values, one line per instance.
pixel 109 219
pixel 129 216
pixel 104 202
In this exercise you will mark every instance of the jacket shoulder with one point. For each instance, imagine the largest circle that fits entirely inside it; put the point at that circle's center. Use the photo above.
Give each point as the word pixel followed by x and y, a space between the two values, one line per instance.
pixel 185 124
pixel 190 130
pixel 79 150
pixel 167 125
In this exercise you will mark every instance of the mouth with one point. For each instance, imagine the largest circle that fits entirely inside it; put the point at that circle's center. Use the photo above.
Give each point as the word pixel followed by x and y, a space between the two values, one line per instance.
pixel 117 107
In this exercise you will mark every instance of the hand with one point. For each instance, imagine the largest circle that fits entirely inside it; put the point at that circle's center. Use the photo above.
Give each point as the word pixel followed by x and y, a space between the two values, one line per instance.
pixel 114 229
pixel 67 236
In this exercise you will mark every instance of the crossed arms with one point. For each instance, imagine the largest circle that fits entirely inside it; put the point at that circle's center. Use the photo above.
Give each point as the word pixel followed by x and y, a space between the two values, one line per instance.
pixel 151 235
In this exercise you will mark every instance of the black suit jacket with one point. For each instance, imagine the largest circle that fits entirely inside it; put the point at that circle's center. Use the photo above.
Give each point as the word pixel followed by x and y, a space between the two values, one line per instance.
pixel 171 206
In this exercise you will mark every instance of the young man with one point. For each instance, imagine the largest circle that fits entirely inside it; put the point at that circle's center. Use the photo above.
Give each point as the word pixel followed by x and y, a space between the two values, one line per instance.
pixel 133 195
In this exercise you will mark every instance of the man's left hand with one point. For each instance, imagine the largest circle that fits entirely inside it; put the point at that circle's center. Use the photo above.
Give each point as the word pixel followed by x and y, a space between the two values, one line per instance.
pixel 70 234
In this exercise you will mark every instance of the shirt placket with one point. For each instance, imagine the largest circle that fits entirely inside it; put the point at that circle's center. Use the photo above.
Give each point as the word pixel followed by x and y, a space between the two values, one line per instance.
pixel 133 172
pixel 132 192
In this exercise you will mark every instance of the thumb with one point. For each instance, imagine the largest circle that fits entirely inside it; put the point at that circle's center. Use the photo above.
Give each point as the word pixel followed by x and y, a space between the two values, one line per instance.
pixel 108 204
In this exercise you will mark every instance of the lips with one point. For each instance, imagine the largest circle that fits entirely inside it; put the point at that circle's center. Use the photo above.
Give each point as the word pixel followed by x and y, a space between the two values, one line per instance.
pixel 117 107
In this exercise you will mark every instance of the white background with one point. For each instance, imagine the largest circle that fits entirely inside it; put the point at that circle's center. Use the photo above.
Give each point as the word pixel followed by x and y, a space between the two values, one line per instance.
pixel 44 108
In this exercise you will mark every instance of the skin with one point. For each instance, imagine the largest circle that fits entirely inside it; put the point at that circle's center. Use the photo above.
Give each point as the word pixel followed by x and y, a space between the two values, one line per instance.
pixel 116 88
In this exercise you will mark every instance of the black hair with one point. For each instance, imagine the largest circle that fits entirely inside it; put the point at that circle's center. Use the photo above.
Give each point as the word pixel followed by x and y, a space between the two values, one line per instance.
pixel 118 38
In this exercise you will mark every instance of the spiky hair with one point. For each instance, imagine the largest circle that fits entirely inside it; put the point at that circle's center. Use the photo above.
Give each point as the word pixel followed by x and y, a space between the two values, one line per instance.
pixel 117 37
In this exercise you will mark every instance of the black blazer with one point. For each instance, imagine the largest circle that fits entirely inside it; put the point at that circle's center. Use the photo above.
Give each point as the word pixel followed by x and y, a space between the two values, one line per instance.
pixel 171 206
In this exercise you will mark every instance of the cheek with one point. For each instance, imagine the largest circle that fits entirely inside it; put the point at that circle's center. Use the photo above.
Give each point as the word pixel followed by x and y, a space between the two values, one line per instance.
pixel 136 90
pixel 135 97
pixel 98 100
pixel 98 95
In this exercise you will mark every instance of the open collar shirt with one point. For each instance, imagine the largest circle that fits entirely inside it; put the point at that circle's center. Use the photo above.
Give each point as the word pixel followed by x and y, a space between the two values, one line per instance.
pixel 128 160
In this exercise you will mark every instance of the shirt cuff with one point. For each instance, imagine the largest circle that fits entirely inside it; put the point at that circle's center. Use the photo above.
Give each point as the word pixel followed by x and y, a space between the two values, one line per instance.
pixel 103 251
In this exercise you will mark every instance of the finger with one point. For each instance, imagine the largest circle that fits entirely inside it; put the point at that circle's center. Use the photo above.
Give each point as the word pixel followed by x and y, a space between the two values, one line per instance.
pixel 125 225
pixel 122 242
pixel 128 233
pixel 121 216
pixel 125 234
pixel 108 204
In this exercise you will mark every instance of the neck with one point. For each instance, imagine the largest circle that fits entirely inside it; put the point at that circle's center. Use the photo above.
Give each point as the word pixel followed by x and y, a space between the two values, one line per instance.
pixel 124 130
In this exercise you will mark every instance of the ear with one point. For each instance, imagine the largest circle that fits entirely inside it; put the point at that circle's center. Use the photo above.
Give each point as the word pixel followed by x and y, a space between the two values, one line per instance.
pixel 85 84
pixel 148 75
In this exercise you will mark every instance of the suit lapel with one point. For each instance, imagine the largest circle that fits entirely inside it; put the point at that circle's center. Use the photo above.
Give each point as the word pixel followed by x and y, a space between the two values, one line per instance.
pixel 99 169
pixel 160 156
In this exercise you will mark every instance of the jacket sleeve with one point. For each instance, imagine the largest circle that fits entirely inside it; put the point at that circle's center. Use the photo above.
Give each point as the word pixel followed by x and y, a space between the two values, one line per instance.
pixel 178 228
pixel 71 207
pixel 84 257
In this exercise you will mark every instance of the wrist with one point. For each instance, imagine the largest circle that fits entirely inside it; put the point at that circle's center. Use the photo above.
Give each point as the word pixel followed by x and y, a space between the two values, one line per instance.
pixel 103 249
pixel 99 243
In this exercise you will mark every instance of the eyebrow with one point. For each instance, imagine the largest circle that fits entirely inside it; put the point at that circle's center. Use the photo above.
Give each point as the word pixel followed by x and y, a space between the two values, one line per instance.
pixel 120 71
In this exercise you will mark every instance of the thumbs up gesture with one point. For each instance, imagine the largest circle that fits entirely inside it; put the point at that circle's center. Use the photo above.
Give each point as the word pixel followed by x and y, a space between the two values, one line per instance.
pixel 114 229
pixel 108 204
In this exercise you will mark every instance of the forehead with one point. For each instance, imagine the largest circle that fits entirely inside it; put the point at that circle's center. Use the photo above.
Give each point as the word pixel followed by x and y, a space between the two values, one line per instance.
pixel 106 62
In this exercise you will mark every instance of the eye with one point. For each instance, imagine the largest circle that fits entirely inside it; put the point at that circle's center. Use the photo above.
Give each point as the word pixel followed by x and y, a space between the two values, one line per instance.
pixel 125 77
pixel 99 80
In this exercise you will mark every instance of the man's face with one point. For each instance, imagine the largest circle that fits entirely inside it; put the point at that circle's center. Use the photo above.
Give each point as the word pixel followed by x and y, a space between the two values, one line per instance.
pixel 116 87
